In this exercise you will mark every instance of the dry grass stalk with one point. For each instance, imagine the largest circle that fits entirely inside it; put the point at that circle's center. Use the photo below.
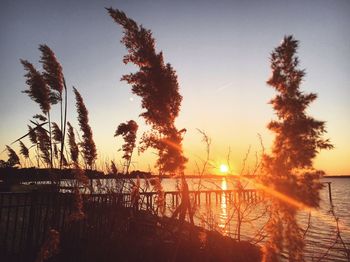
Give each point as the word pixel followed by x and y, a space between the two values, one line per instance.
pixel 160 200
pixel 135 193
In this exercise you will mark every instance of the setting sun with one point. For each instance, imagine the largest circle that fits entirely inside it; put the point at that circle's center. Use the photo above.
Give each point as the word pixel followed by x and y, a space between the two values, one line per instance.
pixel 223 168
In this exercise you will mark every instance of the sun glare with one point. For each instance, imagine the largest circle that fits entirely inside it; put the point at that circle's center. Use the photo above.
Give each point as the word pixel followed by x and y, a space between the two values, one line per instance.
pixel 223 168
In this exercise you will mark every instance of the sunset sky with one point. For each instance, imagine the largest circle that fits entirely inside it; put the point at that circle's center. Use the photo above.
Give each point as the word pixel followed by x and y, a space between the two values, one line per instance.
pixel 220 50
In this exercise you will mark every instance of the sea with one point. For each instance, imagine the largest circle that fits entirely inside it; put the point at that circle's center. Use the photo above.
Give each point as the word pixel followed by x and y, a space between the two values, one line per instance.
pixel 326 230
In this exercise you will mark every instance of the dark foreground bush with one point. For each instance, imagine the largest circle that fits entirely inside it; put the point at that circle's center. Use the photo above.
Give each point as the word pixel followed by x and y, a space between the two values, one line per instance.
pixel 147 238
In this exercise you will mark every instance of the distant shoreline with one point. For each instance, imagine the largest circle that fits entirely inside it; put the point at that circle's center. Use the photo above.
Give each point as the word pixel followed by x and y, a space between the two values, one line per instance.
pixel 28 174
pixel 337 176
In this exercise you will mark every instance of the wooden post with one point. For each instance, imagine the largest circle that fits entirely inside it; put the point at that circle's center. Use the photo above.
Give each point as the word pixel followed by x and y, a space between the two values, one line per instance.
pixel 330 192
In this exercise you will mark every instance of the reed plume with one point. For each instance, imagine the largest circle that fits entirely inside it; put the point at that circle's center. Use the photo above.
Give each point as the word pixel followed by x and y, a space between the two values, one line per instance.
pixel 34 139
pixel 56 132
pixel 113 168
pixel 64 161
pixel 24 150
pixel 78 210
pixel 37 90
pixel 160 200
pixel 50 247
pixel 156 84
pixel 40 117
pixel 32 135
pixel 52 72
pixel 289 167
pixel 128 131
pixel 88 144
pixel 44 144
pixel 53 75
pixel 55 151
pixel 13 157
pixel 73 147
pixel 78 205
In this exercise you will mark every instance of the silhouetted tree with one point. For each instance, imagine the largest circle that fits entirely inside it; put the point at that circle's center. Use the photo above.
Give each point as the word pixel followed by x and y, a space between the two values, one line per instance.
pixel 88 144
pixel 156 84
pixel 128 131
pixel 289 168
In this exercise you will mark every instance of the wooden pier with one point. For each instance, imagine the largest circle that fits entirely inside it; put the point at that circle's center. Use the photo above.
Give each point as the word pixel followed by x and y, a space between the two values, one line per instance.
pixel 173 198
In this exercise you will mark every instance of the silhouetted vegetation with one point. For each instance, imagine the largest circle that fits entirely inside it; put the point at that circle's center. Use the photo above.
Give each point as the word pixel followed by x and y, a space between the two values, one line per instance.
pixel 288 169
pixel 46 89
pixel 156 84
pixel 88 144
pixel 53 76
pixel 128 130
pixel 73 147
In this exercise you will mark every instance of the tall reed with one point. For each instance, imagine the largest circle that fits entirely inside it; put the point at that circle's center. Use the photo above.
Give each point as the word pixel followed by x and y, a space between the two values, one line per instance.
pixel 73 147
pixel 13 158
pixel 53 75
pixel 39 92
pixel 88 144
pixel 128 131
pixel 44 143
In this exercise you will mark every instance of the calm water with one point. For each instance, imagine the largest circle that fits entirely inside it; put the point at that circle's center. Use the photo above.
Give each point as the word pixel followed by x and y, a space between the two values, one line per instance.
pixel 322 241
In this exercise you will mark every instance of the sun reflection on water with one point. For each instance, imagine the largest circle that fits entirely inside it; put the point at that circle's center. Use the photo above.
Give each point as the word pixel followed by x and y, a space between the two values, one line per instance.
pixel 223 208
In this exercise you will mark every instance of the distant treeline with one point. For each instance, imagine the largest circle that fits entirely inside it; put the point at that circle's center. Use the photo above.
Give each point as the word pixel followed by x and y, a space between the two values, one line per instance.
pixel 47 174
pixel 17 175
